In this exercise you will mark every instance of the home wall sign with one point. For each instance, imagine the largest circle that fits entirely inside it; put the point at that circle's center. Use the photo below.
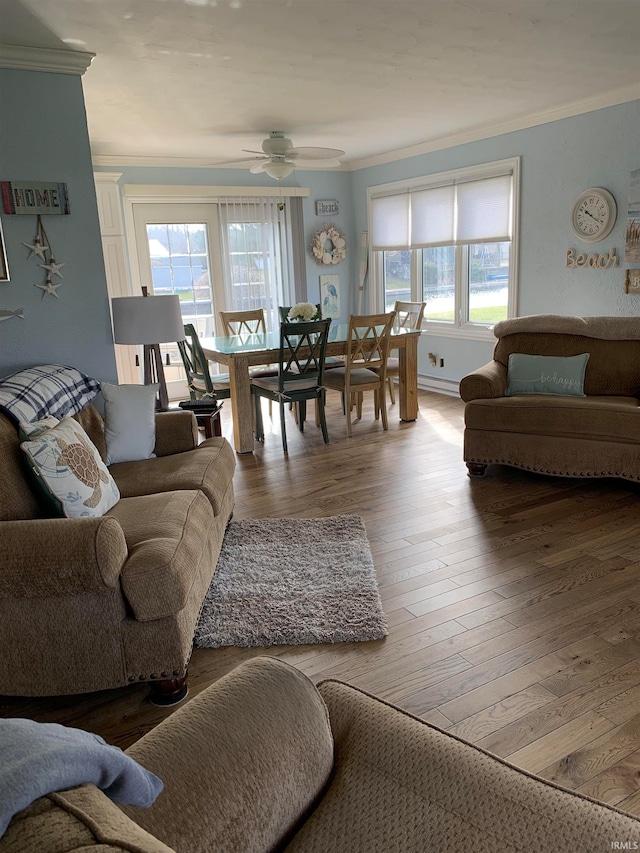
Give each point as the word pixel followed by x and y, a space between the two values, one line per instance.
pixel 327 208
pixel 34 197
pixel 593 261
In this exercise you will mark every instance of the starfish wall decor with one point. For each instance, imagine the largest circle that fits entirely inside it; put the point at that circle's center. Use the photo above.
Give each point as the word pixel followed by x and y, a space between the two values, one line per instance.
pixel 40 248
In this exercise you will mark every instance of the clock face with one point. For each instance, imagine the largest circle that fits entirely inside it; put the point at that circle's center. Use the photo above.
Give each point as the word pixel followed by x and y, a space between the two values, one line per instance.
pixel 593 215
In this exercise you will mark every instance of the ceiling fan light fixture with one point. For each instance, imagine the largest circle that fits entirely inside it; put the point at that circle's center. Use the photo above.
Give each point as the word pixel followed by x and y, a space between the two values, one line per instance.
pixel 278 169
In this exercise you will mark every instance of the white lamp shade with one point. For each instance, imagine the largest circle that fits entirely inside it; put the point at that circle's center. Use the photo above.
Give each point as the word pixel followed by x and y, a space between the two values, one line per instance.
pixel 279 169
pixel 147 319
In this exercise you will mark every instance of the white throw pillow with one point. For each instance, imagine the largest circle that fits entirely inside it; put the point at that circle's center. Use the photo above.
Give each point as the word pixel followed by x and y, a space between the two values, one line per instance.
pixel 32 429
pixel 70 471
pixel 129 421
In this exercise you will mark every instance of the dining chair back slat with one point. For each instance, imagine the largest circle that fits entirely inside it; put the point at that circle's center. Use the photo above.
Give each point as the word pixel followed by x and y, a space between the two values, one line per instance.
pixel 196 366
pixel 368 339
pixel 300 376
pixel 249 322
pixel 408 316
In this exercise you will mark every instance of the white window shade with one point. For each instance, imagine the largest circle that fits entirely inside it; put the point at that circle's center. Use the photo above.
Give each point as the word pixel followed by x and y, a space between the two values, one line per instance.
pixel 484 210
pixel 432 217
pixel 390 222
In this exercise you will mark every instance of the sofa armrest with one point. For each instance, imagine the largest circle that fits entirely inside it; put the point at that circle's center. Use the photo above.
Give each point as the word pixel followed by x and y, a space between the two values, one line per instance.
pixel 402 784
pixel 259 746
pixel 487 382
pixel 176 432
pixel 50 557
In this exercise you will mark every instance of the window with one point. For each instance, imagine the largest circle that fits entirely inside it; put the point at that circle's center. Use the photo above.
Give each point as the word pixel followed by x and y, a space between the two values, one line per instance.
pixel 257 257
pixel 449 240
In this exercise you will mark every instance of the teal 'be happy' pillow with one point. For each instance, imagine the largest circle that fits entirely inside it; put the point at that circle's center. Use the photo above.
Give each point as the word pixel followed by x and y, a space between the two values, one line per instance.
pixel 546 374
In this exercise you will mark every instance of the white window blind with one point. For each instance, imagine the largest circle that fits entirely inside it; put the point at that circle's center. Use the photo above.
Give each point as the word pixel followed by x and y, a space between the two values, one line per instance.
pixel 467 211
pixel 433 217
pixel 484 210
pixel 390 222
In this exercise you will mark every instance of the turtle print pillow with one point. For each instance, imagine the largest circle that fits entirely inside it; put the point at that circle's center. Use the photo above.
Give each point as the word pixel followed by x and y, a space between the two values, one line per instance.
pixel 68 467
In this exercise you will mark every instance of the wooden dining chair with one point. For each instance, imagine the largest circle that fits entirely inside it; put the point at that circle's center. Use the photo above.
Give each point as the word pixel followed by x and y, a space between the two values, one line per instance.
pixel 408 316
pixel 249 322
pixel 300 377
pixel 201 384
pixel 367 350
pixel 332 360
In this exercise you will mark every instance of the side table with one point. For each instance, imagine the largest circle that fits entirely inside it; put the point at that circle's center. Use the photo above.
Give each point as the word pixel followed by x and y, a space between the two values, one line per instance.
pixel 207 415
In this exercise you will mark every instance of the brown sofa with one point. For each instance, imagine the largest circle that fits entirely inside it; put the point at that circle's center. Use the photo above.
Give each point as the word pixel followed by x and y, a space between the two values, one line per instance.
pixel 593 436
pixel 263 762
pixel 93 603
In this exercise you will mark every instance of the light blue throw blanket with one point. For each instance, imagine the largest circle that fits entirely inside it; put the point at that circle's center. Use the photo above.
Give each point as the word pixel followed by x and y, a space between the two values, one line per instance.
pixel 39 758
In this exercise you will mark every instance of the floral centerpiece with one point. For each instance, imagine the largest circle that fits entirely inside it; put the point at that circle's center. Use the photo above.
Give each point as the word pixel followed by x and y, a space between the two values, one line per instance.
pixel 304 311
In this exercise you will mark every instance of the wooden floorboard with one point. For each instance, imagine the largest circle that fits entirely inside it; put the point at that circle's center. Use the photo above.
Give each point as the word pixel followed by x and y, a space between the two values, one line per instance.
pixel 513 601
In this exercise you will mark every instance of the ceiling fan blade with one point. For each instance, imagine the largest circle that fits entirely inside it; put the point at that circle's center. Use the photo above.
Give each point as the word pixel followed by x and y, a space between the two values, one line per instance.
pixel 251 151
pixel 315 153
pixel 238 160
pixel 317 164
pixel 258 167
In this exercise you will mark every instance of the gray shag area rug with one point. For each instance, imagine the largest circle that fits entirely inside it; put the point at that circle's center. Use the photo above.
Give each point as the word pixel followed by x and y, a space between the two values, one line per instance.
pixel 292 581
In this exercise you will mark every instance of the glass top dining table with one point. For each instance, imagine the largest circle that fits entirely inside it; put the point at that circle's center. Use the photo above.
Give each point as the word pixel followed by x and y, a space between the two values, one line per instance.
pixel 240 352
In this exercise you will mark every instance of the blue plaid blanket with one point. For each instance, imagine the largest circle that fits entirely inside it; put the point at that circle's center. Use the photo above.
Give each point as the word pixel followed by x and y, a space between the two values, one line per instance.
pixel 49 389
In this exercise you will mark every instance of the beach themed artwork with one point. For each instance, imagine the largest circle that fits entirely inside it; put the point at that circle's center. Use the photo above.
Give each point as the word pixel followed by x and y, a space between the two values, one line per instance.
pixel 330 296
pixel 632 249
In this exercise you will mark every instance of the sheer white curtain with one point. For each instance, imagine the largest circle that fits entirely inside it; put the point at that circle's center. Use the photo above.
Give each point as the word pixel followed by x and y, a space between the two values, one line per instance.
pixel 257 249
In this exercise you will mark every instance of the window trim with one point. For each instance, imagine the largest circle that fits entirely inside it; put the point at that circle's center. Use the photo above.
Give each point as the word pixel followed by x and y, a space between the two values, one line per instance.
pixel 458 328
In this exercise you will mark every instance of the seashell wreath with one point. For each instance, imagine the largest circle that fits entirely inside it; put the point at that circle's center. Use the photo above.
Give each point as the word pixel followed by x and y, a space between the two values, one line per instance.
pixel 329 245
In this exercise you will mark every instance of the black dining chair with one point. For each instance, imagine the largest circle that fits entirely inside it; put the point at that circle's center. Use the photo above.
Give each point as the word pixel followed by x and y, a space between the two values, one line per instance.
pixel 300 377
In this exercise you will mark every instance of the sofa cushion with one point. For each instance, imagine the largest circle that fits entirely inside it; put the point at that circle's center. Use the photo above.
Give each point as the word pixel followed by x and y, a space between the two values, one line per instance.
pixel 166 536
pixel 402 786
pixel 613 368
pixel 546 374
pixel 599 418
pixel 209 467
pixel 17 500
pixel 70 471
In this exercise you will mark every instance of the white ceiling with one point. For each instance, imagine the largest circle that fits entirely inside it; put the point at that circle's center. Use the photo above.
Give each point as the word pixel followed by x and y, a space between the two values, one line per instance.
pixel 203 79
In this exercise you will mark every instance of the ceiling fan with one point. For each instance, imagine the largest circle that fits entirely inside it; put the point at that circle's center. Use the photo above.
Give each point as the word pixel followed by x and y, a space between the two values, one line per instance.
pixel 279 158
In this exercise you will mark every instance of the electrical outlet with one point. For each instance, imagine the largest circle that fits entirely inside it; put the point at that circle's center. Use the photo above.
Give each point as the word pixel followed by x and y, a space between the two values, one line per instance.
pixel 442 362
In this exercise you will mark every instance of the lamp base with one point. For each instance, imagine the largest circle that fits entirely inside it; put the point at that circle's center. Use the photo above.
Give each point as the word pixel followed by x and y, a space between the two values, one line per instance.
pixel 154 372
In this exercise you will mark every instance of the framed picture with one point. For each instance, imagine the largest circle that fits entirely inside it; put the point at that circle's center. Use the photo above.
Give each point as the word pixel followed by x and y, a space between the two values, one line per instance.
pixel 632 248
pixel 327 208
pixel 4 267
pixel 330 296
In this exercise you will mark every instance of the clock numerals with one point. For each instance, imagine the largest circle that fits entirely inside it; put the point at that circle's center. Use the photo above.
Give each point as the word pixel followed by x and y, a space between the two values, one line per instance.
pixel 593 214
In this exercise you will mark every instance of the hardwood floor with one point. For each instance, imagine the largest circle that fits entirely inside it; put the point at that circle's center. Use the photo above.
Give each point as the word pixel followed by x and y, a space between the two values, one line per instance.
pixel 513 601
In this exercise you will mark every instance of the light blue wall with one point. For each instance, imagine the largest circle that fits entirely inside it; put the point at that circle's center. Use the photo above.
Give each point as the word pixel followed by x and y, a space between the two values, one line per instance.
pixel 559 161
pixel 322 185
pixel 43 137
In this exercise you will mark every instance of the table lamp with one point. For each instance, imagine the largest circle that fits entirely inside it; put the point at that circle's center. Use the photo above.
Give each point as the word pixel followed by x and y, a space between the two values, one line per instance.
pixel 150 321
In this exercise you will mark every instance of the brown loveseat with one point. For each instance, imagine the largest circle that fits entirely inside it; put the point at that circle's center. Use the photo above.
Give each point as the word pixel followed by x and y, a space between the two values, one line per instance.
pixel 93 603
pixel 263 762
pixel 593 436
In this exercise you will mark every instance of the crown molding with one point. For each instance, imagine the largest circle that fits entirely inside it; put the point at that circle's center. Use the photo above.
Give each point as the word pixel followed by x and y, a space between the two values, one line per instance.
pixel 46 59
pixel 486 131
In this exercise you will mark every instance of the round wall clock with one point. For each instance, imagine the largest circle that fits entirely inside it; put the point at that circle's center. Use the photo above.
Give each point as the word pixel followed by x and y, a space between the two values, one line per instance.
pixel 593 214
